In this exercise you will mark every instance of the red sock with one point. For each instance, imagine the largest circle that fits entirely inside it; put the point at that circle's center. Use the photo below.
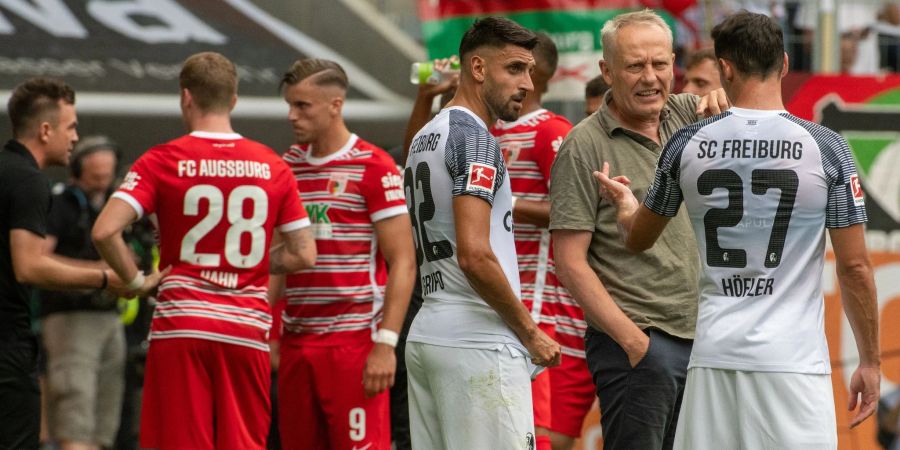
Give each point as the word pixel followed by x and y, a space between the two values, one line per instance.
pixel 542 442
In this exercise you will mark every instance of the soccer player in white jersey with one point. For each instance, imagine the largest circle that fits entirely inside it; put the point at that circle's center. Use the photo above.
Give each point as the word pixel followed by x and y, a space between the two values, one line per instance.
pixel 333 377
pixel 217 198
pixel 761 186
pixel 529 145
pixel 469 346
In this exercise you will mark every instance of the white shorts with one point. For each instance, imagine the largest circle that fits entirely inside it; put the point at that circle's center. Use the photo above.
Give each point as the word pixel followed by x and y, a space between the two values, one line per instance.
pixel 465 398
pixel 756 410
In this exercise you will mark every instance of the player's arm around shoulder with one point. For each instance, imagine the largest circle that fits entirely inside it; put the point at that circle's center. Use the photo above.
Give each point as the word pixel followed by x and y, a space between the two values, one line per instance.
pixel 476 259
pixel 857 282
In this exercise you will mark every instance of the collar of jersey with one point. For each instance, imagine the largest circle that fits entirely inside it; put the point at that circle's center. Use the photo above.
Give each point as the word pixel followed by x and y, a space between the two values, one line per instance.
pixel 469 112
pixel 507 125
pixel 312 160
pixel 213 135
pixel 744 112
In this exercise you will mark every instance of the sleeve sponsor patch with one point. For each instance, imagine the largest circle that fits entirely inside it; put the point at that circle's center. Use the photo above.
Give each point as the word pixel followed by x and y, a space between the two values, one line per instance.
pixel 859 198
pixel 481 178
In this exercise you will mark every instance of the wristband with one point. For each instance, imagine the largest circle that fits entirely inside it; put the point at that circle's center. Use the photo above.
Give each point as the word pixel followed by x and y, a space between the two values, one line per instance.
pixel 136 283
pixel 388 337
pixel 105 282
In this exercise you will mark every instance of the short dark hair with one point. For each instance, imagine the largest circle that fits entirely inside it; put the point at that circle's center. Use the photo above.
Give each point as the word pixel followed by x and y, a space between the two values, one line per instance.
pixel 212 80
pixel 695 58
pixel 496 32
pixel 37 99
pixel 596 87
pixel 754 43
pixel 546 57
pixel 326 73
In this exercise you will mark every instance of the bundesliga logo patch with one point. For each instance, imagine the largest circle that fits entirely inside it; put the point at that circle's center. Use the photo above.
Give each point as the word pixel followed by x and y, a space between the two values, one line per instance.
pixel 859 198
pixel 481 178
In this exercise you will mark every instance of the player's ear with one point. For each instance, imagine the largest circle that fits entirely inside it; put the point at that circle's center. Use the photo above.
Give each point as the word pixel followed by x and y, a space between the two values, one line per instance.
pixel 478 68
pixel 44 130
pixel 604 71
pixel 232 102
pixel 186 99
pixel 337 104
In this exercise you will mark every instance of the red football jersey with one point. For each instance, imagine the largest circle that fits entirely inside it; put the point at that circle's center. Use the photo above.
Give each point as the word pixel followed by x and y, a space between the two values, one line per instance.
pixel 337 301
pixel 529 146
pixel 216 198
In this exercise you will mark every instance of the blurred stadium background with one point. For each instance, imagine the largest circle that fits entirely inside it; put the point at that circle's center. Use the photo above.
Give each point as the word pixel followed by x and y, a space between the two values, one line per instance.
pixel 123 57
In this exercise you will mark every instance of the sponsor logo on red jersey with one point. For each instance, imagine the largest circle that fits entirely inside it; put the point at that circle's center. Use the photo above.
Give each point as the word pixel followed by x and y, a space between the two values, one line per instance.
pixel 337 184
pixel 481 177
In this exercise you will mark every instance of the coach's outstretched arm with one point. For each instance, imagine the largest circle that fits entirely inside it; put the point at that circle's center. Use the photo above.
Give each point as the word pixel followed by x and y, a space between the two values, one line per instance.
pixel 639 227
pixel 854 272
pixel 107 236
pixel 482 269
pixel 34 265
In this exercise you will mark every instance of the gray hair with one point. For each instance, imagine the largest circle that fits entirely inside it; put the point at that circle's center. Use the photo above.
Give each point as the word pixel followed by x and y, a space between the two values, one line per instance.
pixel 611 28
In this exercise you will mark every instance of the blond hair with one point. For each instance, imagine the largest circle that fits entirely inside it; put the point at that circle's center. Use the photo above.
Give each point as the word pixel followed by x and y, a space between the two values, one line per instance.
pixel 212 80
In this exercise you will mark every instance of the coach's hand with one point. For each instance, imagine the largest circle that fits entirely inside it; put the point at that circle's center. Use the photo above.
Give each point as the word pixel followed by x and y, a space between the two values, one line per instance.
pixel 865 386
pixel 544 351
pixel 380 368
pixel 713 103
pixel 637 349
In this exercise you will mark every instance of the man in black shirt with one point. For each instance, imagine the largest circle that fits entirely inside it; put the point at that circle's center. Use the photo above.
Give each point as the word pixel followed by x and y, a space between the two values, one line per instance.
pixel 42 112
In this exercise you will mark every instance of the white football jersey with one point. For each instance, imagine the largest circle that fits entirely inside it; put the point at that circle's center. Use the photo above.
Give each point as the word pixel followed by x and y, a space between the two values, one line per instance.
pixel 760 188
pixel 454 155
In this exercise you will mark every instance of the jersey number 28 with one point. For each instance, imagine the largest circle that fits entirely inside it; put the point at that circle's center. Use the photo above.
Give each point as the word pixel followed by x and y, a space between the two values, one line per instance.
pixel 238 225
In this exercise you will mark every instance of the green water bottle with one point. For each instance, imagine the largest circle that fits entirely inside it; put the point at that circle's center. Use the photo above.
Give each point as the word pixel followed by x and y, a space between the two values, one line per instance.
pixel 423 72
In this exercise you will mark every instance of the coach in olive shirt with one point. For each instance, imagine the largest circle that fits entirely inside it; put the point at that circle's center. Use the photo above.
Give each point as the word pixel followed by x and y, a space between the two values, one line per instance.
pixel 641 308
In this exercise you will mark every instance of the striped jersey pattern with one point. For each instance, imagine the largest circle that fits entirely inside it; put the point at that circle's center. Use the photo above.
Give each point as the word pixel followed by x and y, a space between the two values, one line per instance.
pixel 216 199
pixel 338 300
pixel 529 146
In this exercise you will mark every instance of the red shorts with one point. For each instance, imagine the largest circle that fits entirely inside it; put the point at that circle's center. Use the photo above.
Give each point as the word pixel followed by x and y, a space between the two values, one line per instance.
pixel 202 394
pixel 573 394
pixel 540 388
pixel 321 402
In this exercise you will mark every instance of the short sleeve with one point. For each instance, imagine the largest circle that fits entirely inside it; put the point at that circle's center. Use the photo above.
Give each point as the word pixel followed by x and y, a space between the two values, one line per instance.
pixel 31 203
pixel 383 189
pixel 664 196
pixel 138 188
pixel 549 138
pixel 473 158
pixel 574 192
pixel 846 201
pixel 291 214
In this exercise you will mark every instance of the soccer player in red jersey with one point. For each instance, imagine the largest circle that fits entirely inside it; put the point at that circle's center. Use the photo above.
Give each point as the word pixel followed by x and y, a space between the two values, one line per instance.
pixel 529 146
pixel 333 378
pixel 217 198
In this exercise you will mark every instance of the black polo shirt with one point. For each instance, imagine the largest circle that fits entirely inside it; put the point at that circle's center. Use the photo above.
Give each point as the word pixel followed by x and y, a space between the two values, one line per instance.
pixel 24 204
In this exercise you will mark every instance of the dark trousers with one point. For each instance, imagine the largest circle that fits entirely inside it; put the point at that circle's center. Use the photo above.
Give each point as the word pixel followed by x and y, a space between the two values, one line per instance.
pixel 638 406
pixel 20 396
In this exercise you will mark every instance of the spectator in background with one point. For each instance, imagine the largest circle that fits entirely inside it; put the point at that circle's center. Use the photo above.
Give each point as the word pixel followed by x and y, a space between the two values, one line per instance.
pixel 593 94
pixel 858 43
pixel 82 333
pixel 44 125
pixel 701 74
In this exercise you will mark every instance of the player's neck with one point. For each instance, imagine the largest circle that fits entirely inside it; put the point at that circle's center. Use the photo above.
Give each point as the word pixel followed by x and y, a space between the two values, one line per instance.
pixel 37 152
pixel 331 141
pixel 531 104
pixel 211 123
pixel 473 101
pixel 754 93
